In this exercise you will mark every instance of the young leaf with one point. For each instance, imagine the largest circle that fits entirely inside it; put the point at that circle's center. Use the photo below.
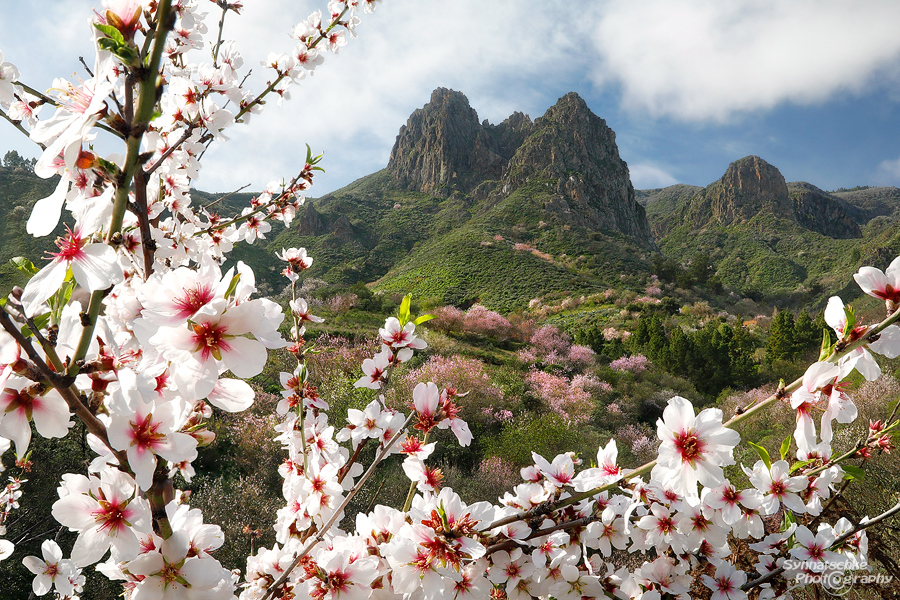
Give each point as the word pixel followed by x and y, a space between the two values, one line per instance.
pixel 422 318
pixel 112 33
pixel 853 472
pixel 403 316
pixel 850 314
pixel 799 465
pixel 233 285
pixel 827 347
pixel 24 265
pixel 763 454
pixel 785 447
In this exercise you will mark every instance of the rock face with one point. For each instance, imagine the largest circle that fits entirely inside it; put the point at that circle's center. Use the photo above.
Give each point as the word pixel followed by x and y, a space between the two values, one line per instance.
pixel 443 146
pixel 749 186
pixel 443 149
pixel 752 186
pixel 823 213
pixel 574 147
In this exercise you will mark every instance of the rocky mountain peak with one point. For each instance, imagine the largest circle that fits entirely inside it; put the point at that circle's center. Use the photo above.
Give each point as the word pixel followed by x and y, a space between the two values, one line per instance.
pixel 434 148
pixel 575 149
pixel 751 186
pixel 748 187
pixel 443 149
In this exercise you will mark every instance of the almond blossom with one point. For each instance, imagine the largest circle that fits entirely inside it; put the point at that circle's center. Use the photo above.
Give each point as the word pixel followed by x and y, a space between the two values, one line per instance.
pixel 94 266
pixel 881 284
pixel 53 571
pixel 21 402
pixel 727 582
pixel 694 447
pixel 147 429
pixel 215 338
pixel 106 512
pixel 777 487
pixel 9 74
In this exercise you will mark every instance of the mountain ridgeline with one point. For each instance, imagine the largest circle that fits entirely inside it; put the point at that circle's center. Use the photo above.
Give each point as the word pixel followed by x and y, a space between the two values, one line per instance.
pixel 775 240
pixel 469 211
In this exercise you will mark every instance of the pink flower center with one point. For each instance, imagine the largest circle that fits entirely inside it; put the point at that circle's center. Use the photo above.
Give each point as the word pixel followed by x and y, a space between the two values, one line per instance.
pixel 145 434
pixel 70 247
pixel 193 300
pixel 778 488
pixel 210 340
pixel 689 446
pixel 110 515
pixel 724 584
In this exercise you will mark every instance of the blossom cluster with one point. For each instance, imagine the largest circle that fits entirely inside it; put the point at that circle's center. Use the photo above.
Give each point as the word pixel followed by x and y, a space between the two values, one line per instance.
pixel 164 336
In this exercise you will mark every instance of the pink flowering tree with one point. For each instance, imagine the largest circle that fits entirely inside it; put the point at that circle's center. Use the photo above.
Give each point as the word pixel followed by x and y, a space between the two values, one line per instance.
pixel 163 339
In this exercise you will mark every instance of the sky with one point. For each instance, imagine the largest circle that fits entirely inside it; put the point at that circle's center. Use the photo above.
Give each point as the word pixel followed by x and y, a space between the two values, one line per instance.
pixel 689 86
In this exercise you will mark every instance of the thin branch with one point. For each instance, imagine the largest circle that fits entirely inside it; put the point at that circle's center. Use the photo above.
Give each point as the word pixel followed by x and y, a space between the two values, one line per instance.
pixel 228 195
pixel 18 125
pixel 171 149
pixel 864 524
pixel 215 50
pixel 321 535
pixel 42 96
pixel 84 64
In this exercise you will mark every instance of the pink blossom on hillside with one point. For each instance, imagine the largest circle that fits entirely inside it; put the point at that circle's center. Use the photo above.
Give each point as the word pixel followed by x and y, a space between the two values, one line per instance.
pixel 549 339
pixel 447 319
pixel 632 364
pixel 611 333
pixel 641 440
pixel 567 398
pixel 467 375
pixel 581 357
pixel 653 290
pixel 527 355
pixel 481 321
pixel 495 468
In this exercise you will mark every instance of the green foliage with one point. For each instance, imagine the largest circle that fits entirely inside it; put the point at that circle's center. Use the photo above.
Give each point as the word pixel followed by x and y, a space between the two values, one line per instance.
pixel 714 357
pixel 547 435
pixel 790 338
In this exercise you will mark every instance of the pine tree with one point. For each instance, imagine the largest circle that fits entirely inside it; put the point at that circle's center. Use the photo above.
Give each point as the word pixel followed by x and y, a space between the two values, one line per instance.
pixel 807 335
pixel 781 343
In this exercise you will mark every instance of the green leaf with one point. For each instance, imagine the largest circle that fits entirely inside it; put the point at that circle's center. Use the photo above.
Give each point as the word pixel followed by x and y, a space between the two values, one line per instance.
pixel 403 315
pixel 827 347
pixel 24 265
pixel 850 314
pixel 233 285
pixel 763 454
pixel 111 32
pixel 853 472
pixel 109 167
pixel 799 465
pixel 422 318
pixel 785 447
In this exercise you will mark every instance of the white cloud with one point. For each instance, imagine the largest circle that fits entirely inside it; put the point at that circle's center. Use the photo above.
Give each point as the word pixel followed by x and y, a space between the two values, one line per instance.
pixel 887 173
pixel 708 59
pixel 645 176
pixel 692 59
pixel 353 107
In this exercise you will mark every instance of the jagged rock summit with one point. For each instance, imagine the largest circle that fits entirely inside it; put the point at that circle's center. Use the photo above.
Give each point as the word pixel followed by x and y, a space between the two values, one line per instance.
pixel 444 149
pixel 443 146
pixel 748 187
pixel 751 186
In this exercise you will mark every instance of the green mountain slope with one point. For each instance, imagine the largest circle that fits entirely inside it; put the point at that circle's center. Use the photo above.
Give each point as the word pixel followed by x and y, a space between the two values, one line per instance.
pixel 771 240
